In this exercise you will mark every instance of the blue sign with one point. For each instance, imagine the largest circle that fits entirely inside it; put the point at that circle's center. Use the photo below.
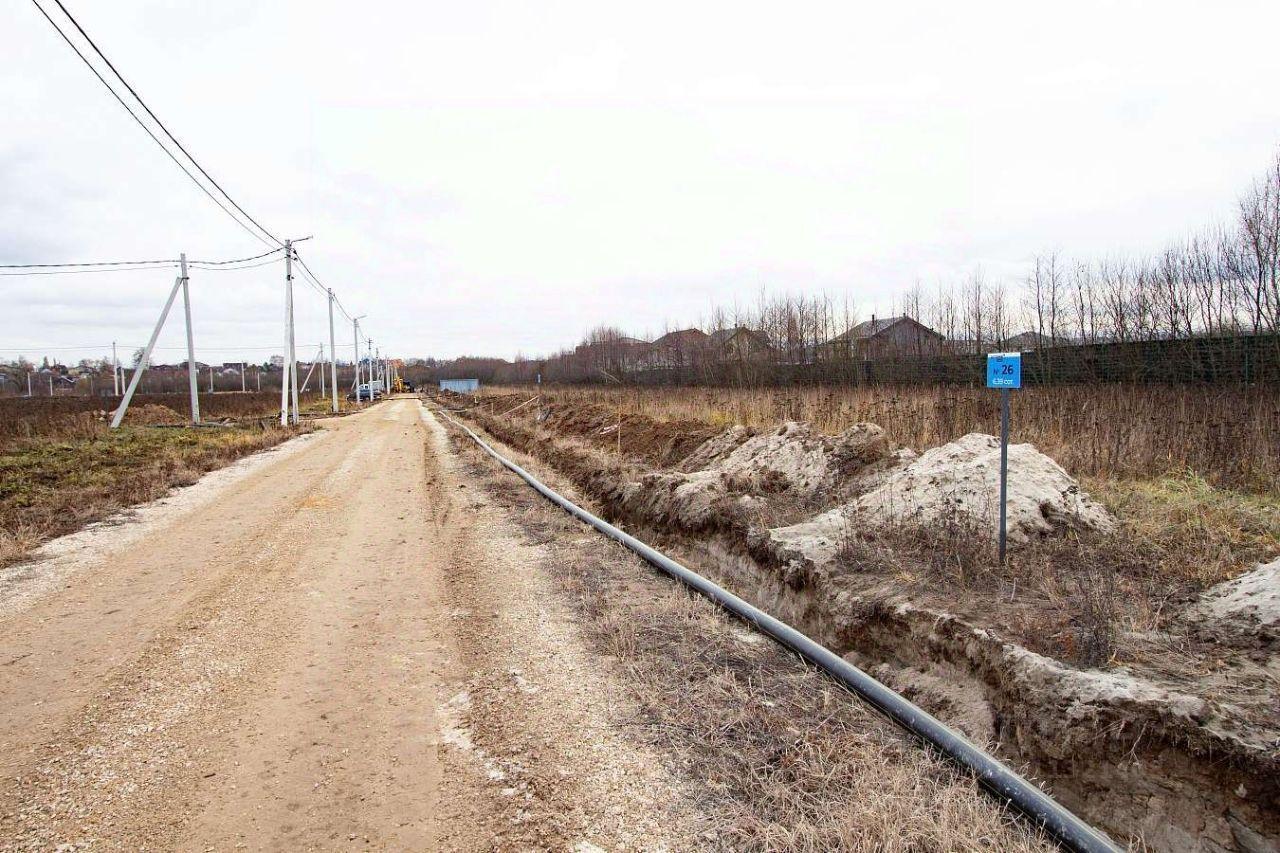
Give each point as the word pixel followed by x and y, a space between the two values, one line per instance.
pixel 1004 370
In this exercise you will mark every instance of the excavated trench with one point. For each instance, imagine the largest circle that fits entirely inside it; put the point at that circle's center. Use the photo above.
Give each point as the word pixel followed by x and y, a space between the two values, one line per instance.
pixel 1145 762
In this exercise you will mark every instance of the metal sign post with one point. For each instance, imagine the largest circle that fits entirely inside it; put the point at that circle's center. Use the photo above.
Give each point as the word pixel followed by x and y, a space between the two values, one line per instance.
pixel 1004 371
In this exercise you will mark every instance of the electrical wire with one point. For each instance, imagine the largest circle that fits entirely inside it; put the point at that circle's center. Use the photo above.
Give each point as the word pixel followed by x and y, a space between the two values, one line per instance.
pixel 128 266
pixel 238 260
pixel 199 266
pixel 104 266
pixel 91 270
pixel 143 125
pixel 161 124
pixel 92 264
pixel 306 271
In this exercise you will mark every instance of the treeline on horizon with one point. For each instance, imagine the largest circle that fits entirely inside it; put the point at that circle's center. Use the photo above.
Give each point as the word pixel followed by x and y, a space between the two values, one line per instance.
pixel 1222 283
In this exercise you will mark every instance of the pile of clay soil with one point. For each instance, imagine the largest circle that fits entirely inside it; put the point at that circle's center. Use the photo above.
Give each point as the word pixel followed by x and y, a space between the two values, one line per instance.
pixel 152 414
pixel 661 443
pixel 1244 611
pixel 958 484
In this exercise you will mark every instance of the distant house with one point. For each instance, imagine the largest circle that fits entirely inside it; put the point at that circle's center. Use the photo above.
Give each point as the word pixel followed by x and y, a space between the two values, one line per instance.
pixel 613 352
pixel 884 337
pixel 740 344
pixel 276 361
pixel 678 349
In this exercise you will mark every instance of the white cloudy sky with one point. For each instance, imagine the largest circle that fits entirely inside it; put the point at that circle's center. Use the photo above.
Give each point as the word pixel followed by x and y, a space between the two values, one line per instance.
pixel 491 177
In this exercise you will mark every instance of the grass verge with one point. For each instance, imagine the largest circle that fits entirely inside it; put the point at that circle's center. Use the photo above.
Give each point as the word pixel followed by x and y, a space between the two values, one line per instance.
pixel 53 486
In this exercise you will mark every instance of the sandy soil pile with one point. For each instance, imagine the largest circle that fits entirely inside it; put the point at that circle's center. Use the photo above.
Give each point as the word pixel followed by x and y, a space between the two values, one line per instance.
pixel 152 413
pixel 958 484
pixel 735 469
pixel 1247 607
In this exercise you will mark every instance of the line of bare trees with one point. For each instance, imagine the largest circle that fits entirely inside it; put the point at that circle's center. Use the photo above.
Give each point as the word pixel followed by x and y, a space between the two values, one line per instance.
pixel 1224 282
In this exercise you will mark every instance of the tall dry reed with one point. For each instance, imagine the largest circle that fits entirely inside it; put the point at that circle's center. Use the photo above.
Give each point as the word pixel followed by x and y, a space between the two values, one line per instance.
pixel 1230 435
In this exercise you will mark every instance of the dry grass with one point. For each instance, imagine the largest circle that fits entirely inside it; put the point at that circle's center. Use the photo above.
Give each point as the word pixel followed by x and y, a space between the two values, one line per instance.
pixel 1228 436
pixel 780 757
pixel 83 417
pixel 1076 598
pixel 61 467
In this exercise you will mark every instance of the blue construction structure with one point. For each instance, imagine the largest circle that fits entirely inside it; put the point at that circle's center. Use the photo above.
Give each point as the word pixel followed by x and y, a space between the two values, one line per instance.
pixel 460 386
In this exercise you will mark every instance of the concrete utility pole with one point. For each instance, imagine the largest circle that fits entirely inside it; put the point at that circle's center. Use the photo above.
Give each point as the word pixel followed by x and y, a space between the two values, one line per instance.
pixel 191 347
pixel 243 368
pixel 115 370
pixel 322 391
pixel 288 333
pixel 293 350
pixel 211 379
pixel 355 334
pixel 141 366
pixel 333 357
pixel 28 383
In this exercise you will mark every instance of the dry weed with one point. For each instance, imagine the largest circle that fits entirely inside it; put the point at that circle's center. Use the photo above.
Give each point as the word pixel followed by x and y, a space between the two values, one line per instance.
pixel 1229 435
pixel 783 758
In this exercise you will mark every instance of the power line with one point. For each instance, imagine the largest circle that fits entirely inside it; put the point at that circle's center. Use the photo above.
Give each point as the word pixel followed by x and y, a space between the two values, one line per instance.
pixel 306 271
pixel 90 264
pixel 238 260
pixel 165 266
pixel 157 120
pixel 158 261
pixel 143 125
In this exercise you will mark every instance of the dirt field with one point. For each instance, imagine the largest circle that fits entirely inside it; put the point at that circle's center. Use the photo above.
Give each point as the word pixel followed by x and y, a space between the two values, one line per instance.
pixel 368 637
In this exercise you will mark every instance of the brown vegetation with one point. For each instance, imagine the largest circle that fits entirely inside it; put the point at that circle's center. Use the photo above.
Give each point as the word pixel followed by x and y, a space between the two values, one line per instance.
pixel 931 610
pixel 1228 436
pixel 799 765
pixel 62 468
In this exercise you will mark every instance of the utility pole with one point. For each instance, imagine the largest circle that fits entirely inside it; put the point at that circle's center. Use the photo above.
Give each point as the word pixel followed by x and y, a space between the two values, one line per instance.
pixel 322 391
pixel 355 334
pixel 210 378
pixel 293 350
pixel 28 383
pixel 141 366
pixel 333 357
pixel 288 332
pixel 115 370
pixel 191 347
pixel 243 368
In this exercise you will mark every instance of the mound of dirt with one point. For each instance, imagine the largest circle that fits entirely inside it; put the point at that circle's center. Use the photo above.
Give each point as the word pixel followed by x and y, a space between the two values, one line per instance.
pixel 793 456
pixel 730 472
pixel 152 414
pixel 1247 607
pixel 959 483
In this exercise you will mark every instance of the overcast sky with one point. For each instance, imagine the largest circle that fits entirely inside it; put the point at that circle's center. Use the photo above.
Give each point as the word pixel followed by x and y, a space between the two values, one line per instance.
pixel 495 178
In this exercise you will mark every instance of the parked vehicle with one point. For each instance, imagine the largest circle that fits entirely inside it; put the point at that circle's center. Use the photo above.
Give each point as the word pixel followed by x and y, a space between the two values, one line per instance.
pixel 365 392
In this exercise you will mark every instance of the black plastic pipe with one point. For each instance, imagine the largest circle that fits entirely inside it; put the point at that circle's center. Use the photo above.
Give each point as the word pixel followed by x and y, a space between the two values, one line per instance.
pixel 1063 826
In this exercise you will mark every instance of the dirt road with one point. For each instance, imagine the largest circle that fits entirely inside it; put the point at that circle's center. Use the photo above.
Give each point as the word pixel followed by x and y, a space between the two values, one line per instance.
pixel 273 662
pixel 371 638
